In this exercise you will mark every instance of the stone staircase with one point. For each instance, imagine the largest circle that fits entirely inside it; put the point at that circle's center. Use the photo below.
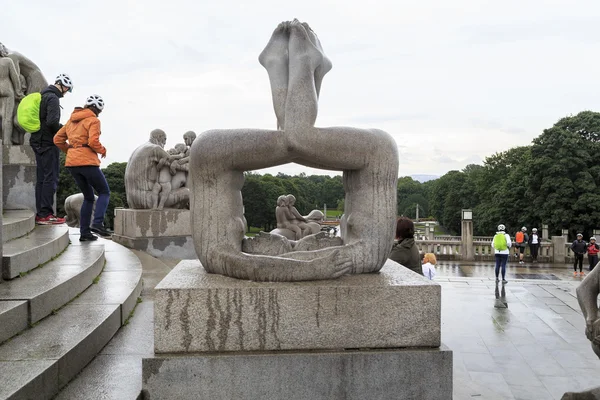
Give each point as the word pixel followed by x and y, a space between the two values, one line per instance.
pixel 61 302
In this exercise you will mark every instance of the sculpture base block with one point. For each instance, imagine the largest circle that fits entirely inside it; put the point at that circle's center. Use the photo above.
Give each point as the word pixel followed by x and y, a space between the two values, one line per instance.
pixel 365 374
pixel 19 177
pixel 161 233
pixel 195 311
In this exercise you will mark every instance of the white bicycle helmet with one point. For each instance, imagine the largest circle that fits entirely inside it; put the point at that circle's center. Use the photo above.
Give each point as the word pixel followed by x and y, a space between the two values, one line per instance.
pixel 579 234
pixel 524 229
pixel 592 238
pixel 534 230
pixel 96 101
pixel 65 80
pixel 501 227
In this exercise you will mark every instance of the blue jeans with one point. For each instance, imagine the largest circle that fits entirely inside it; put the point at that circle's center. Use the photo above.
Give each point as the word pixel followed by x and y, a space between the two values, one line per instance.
pixel 47 167
pixel 501 260
pixel 89 178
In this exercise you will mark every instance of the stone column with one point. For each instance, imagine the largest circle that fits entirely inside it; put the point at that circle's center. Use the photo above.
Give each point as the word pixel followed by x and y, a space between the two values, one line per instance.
pixel 565 234
pixel 596 234
pixel 466 234
pixel 559 243
pixel 545 232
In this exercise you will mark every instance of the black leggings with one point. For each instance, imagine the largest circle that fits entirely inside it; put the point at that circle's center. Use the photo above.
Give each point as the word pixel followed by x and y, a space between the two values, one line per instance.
pixel 593 260
pixel 578 259
pixel 534 251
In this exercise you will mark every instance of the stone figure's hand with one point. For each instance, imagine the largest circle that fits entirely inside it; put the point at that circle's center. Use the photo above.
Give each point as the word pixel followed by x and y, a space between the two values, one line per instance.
pixel 182 161
pixel 173 168
pixel 334 265
pixel 19 96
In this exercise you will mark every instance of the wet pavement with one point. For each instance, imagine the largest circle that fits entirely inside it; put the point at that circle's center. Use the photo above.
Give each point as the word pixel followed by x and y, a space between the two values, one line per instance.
pixel 522 340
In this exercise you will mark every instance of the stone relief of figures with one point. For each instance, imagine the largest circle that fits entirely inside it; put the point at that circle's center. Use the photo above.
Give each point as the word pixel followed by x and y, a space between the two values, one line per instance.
pixel 19 76
pixel 296 64
pixel 156 178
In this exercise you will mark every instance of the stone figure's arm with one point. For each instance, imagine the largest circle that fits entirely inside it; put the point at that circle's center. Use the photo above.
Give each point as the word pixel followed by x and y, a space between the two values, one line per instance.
pixel 15 79
pixel 278 269
pixel 296 214
pixel 60 139
pixel 587 296
pixel 94 138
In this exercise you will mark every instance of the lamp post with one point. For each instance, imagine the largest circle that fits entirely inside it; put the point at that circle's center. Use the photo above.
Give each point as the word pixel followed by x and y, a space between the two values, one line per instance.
pixel 466 235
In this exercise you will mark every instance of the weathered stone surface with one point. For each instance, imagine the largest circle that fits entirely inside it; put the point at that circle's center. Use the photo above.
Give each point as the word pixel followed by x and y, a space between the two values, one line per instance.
pixel 200 312
pixel 350 375
pixel 176 247
pixel 18 186
pixel 13 318
pixel 13 154
pixel 152 223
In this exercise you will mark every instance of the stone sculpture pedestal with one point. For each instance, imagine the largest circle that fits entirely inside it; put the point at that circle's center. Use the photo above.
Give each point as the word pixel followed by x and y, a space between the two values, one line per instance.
pixel 374 336
pixel 18 185
pixel 161 233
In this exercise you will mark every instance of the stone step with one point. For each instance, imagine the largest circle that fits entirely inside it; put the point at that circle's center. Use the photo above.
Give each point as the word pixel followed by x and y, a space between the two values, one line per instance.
pixel 56 283
pixel 13 318
pixel 17 223
pixel 28 252
pixel 43 359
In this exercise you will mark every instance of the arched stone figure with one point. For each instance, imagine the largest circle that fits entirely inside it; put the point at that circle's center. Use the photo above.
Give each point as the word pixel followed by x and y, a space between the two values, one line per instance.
pixel 368 158
pixel 142 173
pixel 10 94
pixel 73 205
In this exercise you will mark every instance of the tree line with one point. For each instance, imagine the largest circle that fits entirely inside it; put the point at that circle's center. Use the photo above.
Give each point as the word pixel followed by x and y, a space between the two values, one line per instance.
pixel 555 181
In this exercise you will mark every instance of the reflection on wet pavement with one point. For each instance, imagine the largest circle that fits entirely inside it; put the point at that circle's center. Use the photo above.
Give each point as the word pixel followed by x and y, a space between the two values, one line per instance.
pixel 522 340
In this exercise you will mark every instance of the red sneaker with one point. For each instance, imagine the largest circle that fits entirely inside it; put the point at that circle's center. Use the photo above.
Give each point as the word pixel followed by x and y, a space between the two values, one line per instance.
pixel 49 220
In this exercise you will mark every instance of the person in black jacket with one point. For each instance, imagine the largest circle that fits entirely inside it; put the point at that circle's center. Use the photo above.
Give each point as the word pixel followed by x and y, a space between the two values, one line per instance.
pixel 535 241
pixel 46 153
pixel 579 248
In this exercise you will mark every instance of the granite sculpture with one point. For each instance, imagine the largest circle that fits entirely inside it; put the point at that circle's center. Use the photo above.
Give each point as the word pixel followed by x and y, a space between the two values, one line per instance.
pixel 73 205
pixel 19 76
pixel 146 185
pixel 296 64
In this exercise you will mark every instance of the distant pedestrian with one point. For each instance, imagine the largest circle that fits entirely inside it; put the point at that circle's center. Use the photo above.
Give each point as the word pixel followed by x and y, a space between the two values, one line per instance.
pixel 405 250
pixel 579 247
pixel 534 244
pixel 592 251
pixel 521 239
pixel 501 244
pixel 429 262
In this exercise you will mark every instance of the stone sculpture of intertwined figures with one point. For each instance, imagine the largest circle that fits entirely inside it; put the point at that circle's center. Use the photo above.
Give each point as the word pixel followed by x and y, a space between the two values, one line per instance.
pixel 296 64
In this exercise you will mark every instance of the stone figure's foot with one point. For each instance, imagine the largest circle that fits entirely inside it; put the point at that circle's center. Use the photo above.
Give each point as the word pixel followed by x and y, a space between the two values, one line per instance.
pixel 303 54
pixel 325 66
pixel 276 61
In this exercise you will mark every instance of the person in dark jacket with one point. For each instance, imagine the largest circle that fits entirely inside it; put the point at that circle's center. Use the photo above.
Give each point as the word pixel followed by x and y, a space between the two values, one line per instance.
pixel 46 153
pixel 579 247
pixel 405 251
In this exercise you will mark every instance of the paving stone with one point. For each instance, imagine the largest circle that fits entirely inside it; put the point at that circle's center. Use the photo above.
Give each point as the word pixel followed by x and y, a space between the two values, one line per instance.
pixel 530 393
pixel 476 362
pixel 495 380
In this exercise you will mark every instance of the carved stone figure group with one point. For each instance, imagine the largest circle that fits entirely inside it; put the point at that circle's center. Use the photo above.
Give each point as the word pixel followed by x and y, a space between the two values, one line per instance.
pixel 156 178
pixel 290 223
pixel 19 76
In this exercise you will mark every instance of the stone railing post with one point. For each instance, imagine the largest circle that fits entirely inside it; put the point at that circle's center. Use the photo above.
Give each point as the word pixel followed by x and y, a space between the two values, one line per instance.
pixel 545 235
pixel 559 244
pixel 596 234
pixel 466 235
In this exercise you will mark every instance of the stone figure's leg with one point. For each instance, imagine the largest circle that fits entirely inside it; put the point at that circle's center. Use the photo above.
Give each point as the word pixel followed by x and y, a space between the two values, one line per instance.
pixel 155 194
pixel 296 229
pixel 178 198
pixel 7 107
pixel 164 194
pixel 275 60
pixel 219 159
pixel 304 59
pixel 325 65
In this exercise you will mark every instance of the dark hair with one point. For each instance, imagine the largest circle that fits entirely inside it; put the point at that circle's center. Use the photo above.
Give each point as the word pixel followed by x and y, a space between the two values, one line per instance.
pixel 93 108
pixel 405 229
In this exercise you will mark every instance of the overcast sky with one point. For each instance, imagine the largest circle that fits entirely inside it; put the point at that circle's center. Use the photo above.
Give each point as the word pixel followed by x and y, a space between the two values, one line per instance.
pixel 452 82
